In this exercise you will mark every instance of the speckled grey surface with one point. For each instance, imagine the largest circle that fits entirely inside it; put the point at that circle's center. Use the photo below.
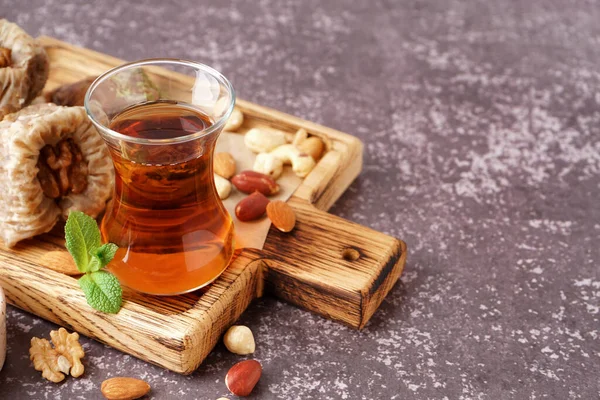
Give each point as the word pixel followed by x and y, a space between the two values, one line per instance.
pixel 481 121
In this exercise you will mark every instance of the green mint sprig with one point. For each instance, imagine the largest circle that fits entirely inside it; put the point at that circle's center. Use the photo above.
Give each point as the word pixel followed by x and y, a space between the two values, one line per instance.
pixel 102 289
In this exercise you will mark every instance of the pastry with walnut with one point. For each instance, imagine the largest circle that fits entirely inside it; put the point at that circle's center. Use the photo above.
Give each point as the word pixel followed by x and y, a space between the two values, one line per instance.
pixel 23 68
pixel 53 161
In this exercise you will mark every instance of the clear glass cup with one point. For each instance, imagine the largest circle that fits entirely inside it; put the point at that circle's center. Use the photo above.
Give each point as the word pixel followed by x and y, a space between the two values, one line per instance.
pixel 160 119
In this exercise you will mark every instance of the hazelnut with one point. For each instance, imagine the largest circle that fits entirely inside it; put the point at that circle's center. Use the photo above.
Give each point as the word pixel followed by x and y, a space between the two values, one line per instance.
pixel 239 340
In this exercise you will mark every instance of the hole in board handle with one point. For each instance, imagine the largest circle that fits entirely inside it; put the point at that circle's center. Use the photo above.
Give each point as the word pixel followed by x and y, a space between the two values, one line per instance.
pixel 350 254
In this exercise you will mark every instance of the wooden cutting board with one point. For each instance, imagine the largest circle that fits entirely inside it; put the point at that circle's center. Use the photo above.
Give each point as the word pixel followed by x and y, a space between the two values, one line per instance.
pixel 327 265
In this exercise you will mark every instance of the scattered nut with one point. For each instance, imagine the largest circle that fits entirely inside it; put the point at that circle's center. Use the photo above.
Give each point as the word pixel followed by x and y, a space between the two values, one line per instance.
pixel 236 119
pixel 243 376
pixel 301 162
pixel 252 181
pixel 268 164
pixel 224 165
pixel 281 215
pixel 123 388
pixel 68 345
pixel 251 207
pixel 223 187
pixel 239 339
pixel 286 153
pixel 313 146
pixel 300 137
pixel 64 358
pixel 260 141
pixel 45 359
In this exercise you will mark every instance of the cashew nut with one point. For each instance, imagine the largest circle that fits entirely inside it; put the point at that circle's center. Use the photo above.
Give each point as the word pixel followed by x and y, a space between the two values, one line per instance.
pixel 300 137
pixel 260 141
pixel 223 187
pixel 236 119
pixel 285 153
pixel 302 163
pixel 268 164
pixel 239 340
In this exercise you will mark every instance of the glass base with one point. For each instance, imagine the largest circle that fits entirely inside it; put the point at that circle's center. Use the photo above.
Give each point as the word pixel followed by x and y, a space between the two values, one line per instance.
pixel 174 273
pixel 185 291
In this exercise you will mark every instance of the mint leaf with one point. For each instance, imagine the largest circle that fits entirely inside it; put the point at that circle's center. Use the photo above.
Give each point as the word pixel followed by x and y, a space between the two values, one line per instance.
pixel 82 235
pixel 95 263
pixel 105 253
pixel 101 256
pixel 102 291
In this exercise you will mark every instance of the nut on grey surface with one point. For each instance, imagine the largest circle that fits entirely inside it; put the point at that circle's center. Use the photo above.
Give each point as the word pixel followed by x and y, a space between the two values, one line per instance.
pixel 481 123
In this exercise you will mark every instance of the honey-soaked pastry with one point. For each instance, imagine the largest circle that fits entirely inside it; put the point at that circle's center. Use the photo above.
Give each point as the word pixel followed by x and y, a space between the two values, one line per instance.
pixel 23 68
pixel 53 161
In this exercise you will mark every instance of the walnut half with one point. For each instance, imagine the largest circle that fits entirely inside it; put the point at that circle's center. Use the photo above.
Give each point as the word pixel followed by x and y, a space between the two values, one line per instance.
pixel 62 169
pixel 64 358
pixel 45 359
pixel 67 344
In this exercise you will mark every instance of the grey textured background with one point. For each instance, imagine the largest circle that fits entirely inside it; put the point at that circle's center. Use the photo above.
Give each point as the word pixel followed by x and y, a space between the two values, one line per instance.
pixel 481 121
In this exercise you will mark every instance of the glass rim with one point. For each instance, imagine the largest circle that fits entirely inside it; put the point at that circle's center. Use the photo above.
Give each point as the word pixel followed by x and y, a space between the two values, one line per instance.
pixel 156 61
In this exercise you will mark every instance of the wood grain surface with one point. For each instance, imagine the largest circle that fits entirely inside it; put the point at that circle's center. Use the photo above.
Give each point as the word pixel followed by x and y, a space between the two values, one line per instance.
pixel 327 265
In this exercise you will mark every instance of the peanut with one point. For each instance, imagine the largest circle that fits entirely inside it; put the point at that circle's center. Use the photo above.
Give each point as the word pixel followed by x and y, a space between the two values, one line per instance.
pixel 252 181
pixel 252 207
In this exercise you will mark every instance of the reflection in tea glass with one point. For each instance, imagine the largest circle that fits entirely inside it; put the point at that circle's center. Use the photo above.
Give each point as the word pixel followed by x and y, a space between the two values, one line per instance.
pixel 173 231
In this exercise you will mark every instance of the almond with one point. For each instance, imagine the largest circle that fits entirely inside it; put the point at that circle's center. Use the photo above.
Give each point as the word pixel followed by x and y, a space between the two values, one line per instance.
pixel 281 215
pixel 252 207
pixel 313 146
pixel 252 181
pixel 224 165
pixel 243 376
pixel 123 388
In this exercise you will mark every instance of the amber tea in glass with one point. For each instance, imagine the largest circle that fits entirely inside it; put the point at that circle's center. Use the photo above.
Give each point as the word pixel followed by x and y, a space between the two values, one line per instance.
pixel 173 231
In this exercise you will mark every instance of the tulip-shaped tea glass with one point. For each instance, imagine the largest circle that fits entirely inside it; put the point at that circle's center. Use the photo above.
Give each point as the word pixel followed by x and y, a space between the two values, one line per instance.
pixel 160 119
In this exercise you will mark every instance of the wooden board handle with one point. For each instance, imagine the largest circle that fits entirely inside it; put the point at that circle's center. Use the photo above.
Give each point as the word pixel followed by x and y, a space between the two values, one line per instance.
pixel 331 266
